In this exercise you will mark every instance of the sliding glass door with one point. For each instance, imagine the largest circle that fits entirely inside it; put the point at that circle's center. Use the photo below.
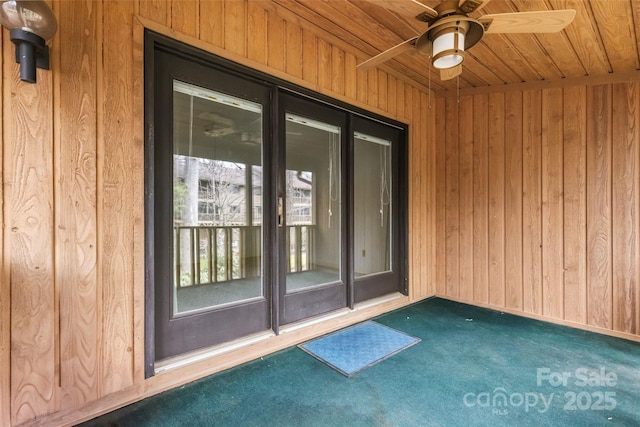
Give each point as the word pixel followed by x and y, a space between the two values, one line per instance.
pixel 378 248
pixel 209 236
pixel 264 206
pixel 311 193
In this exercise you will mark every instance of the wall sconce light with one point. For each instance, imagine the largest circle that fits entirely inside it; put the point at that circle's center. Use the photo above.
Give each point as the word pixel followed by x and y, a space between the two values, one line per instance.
pixel 30 25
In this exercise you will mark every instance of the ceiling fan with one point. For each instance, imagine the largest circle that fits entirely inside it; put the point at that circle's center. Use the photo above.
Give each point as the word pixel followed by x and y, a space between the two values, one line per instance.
pixel 451 31
pixel 219 126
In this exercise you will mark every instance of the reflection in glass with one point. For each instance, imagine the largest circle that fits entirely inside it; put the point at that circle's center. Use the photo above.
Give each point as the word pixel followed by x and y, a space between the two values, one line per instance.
pixel 217 189
pixel 372 202
pixel 313 208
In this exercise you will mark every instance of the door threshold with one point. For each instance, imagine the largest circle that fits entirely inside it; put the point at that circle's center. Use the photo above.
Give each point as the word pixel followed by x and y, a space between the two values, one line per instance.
pixel 210 352
pixel 378 300
pixel 305 323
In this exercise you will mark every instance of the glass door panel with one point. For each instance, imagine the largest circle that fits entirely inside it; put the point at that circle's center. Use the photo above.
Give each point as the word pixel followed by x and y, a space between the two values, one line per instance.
pixel 378 267
pixel 313 202
pixel 372 205
pixel 312 234
pixel 205 176
pixel 216 172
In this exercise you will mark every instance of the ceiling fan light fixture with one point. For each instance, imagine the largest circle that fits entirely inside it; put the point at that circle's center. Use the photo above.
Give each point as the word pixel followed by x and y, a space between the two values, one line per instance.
pixel 448 47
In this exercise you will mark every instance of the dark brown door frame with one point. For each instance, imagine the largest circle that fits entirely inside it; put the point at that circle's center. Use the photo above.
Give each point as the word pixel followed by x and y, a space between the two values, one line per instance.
pixel 312 302
pixel 272 273
pixel 383 283
pixel 173 335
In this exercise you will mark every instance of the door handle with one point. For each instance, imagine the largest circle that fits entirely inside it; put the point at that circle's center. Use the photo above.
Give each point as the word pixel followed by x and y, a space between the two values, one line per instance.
pixel 280 212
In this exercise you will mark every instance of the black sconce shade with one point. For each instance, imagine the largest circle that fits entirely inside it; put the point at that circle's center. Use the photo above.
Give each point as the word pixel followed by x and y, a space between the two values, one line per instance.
pixel 30 24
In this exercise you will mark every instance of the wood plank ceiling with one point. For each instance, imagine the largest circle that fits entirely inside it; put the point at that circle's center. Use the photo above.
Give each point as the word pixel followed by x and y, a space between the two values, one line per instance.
pixel 603 38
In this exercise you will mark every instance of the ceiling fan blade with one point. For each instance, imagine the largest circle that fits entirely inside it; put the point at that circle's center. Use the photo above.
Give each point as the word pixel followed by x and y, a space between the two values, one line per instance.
pixel 468 6
pixel 548 21
pixel 388 54
pixel 407 8
pixel 450 73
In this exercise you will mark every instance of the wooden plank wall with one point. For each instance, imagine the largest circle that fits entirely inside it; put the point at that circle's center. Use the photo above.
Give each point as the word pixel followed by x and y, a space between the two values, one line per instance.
pixel 71 290
pixel 540 192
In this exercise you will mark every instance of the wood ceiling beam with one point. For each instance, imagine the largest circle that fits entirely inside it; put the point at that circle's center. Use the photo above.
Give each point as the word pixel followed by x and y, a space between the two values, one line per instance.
pixel 611 78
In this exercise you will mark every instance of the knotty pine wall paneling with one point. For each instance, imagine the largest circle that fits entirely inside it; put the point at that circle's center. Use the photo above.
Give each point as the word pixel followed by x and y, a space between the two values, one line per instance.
pixel 422 206
pixel 465 194
pixel 116 195
pixel 28 201
pixel 160 11
pixel 372 86
pixel 414 181
pixel 325 78
pixel 575 204
pixel 212 31
pixel 440 209
pixel 76 240
pixel 424 225
pixel 236 37
pixel 185 18
pixel 555 182
pixel 351 80
pixel 71 249
pixel 496 266
pixel 275 41
pixel 532 202
pixel 625 208
pixel 480 198
pixel 451 199
pixel 552 205
pixel 5 282
pixel 599 180
pixel 513 199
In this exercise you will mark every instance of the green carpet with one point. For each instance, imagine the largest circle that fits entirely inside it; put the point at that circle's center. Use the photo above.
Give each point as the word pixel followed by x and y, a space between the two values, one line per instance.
pixel 473 367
